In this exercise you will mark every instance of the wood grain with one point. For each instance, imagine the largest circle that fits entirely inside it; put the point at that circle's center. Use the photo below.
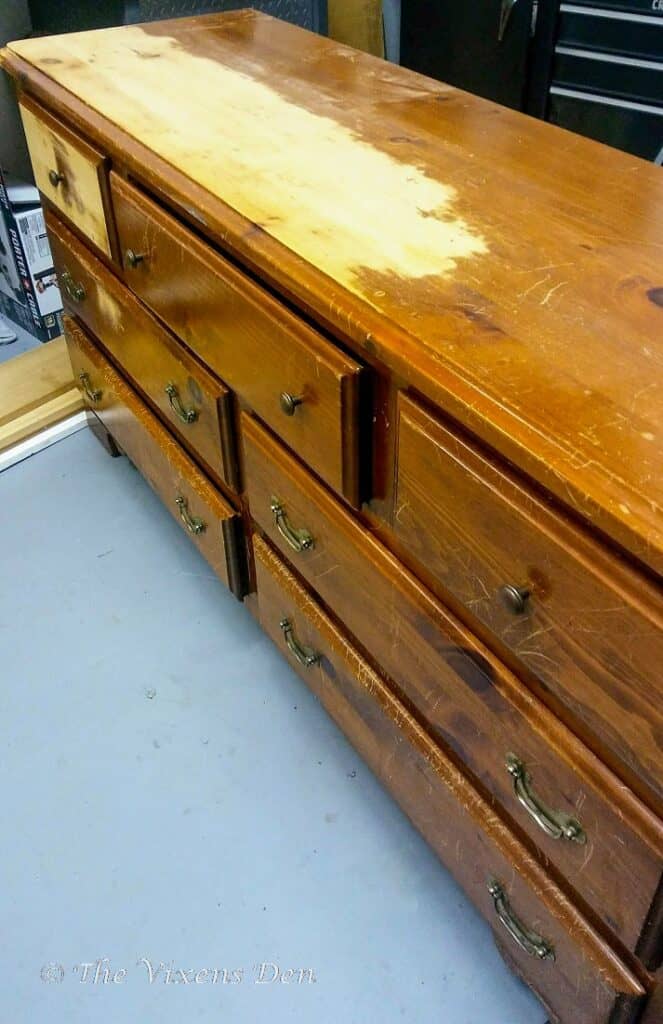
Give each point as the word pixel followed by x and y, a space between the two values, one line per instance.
pixel 471 703
pixel 458 824
pixel 592 630
pixel 79 195
pixel 149 355
pixel 158 457
pixel 506 268
pixel 36 391
pixel 256 345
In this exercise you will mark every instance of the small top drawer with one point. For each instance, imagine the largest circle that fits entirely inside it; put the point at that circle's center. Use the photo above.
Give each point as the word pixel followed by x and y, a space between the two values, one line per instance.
pixel 298 383
pixel 70 173
pixel 587 627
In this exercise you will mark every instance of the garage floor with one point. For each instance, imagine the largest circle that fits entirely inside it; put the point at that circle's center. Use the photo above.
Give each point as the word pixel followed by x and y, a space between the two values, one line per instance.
pixel 174 799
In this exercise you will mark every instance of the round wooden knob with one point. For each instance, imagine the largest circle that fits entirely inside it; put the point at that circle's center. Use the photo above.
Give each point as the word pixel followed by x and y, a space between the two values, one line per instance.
pixel 514 598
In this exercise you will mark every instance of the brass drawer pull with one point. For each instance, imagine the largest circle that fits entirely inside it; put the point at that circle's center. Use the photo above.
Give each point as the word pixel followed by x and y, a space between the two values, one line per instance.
pixel 306 656
pixel 527 940
pixel 194 524
pixel 299 540
pixel 554 823
pixel 133 258
pixel 182 413
pixel 55 178
pixel 94 394
pixel 74 289
pixel 514 598
pixel 290 402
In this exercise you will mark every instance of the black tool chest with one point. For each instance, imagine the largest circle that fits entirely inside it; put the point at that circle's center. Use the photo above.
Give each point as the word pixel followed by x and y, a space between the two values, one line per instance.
pixel 607 73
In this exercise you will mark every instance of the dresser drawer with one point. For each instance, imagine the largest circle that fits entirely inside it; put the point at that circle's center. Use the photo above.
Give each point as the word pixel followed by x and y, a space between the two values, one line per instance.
pixel 473 705
pixel 200 510
pixel 196 405
pixel 568 966
pixel 590 630
pixel 70 173
pixel 256 345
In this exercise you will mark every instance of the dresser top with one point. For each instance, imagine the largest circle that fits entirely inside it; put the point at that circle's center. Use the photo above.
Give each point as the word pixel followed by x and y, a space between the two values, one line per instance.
pixel 509 270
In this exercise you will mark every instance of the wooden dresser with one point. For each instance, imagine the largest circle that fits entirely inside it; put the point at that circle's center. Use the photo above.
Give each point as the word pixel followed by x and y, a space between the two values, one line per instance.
pixel 392 355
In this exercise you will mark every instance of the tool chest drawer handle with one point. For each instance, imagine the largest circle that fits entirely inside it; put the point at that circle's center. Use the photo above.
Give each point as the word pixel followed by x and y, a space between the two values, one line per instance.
pixel 94 394
pixel 298 540
pixel 556 824
pixel 530 941
pixel 182 413
pixel 194 524
pixel 306 656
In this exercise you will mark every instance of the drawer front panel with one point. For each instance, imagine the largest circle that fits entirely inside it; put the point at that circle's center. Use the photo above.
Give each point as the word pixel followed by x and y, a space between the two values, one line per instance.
pixel 70 173
pixel 260 349
pixel 582 980
pixel 473 705
pixel 590 631
pixel 197 407
pixel 210 522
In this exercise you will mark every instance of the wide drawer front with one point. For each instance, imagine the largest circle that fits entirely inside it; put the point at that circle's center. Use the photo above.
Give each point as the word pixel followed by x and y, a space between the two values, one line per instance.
pixel 552 946
pixel 210 522
pixel 581 817
pixel 588 629
pixel 70 173
pixel 635 34
pixel 302 386
pixel 197 406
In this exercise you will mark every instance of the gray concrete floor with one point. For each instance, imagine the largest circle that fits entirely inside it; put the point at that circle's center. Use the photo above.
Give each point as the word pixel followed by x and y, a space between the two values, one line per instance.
pixel 172 793
pixel 24 341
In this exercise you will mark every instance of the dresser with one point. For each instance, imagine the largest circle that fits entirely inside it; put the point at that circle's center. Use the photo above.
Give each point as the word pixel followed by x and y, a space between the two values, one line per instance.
pixel 391 356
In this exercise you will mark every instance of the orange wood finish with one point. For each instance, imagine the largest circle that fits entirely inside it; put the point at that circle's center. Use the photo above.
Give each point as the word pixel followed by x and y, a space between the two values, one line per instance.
pixel 473 705
pixel 591 630
pixel 507 269
pixel 148 354
pixel 164 465
pixel 469 304
pixel 71 173
pixel 255 344
pixel 459 825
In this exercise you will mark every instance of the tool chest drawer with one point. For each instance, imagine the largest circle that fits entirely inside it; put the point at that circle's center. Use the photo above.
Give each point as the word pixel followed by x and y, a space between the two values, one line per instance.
pixel 210 522
pixel 593 831
pixel 611 31
pixel 70 173
pixel 586 626
pixel 552 946
pixel 302 386
pixel 195 404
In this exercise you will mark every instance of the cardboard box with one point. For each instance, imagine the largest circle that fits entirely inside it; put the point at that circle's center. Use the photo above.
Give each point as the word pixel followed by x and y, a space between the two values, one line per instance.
pixel 29 293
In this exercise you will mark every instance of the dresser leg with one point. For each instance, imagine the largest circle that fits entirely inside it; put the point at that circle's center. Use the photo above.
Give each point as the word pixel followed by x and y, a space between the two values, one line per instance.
pixel 102 435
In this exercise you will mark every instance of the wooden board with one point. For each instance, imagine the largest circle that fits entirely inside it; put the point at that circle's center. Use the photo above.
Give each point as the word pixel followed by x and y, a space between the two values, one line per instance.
pixel 36 390
pixel 506 268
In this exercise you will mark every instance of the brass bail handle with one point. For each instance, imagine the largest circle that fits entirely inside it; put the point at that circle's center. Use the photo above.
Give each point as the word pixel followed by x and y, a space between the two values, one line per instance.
pixel 298 540
pixel 94 394
pixel 306 656
pixel 556 824
pixel 185 415
pixel 194 524
pixel 530 941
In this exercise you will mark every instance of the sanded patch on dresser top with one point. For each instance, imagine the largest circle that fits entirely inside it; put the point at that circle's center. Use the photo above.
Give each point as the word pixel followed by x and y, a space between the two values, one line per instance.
pixel 277 163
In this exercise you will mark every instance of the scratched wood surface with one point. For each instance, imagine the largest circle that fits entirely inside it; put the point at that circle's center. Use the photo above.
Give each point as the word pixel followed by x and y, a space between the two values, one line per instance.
pixel 460 826
pixel 508 269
